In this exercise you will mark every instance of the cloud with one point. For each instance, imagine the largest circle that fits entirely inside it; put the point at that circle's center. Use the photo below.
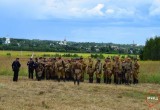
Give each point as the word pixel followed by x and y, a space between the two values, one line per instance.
pixel 80 9
pixel 119 12
pixel 109 11
pixel 155 8
pixel 88 12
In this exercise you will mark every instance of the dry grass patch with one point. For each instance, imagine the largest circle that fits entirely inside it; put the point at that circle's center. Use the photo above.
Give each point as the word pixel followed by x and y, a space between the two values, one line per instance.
pixel 49 95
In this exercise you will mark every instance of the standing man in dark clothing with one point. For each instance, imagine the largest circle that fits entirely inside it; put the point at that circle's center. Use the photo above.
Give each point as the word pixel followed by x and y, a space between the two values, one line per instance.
pixel 15 67
pixel 30 65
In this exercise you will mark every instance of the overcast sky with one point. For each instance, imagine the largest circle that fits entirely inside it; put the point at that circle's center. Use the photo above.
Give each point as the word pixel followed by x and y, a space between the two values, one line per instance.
pixel 117 21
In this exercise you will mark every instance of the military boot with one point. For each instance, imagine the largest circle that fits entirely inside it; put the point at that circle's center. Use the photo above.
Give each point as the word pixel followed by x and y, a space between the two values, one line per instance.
pixel 110 80
pixel 74 82
pixel 78 82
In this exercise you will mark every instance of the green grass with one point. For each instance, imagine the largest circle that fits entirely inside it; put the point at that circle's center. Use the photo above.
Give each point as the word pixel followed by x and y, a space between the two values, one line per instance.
pixel 39 54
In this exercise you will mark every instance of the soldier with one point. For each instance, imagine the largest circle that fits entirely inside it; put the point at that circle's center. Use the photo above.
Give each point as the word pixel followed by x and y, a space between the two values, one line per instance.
pixel 136 67
pixel 108 70
pixel 90 70
pixel 77 71
pixel 30 65
pixel 123 71
pixel 113 69
pixel 60 69
pixel 39 68
pixel 84 65
pixel 98 70
pixel 53 74
pixel 128 71
pixel 15 67
pixel 48 69
pixel 44 61
pixel 68 71
pixel 117 70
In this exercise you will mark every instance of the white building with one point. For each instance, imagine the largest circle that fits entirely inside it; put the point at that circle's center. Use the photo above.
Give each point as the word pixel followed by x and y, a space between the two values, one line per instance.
pixel 7 41
pixel 63 42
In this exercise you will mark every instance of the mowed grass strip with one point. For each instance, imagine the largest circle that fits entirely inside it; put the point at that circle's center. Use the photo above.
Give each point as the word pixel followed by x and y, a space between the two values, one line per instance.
pixel 48 95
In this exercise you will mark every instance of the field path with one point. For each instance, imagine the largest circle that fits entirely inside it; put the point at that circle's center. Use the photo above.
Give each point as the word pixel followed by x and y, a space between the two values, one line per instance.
pixel 51 95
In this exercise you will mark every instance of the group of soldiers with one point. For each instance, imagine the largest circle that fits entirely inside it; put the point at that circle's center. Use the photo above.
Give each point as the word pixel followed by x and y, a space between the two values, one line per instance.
pixel 124 71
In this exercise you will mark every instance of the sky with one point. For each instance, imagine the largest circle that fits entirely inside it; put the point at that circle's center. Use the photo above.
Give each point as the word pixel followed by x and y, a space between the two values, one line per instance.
pixel 116 21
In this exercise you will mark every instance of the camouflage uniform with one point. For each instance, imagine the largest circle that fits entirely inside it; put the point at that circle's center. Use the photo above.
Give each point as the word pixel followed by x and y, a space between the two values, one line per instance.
pixel 117 71
pixel 135 72
pixel 38 65
pixel 90 70
pixel 68 71
pixel 77 71
pixel 83 69
pixel 43 61
pixel 128 71
pixel 60 69
pixel 48 69
pixel 123 71
pixel 53 73
pixel 107 67
pixel 98 70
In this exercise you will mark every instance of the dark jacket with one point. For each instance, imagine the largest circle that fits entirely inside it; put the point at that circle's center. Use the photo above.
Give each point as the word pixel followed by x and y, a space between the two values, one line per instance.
pixel 16 65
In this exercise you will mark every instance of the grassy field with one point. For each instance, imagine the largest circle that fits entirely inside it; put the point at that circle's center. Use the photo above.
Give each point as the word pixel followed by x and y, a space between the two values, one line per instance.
pixel 50 95
pixel 38 54
pixel 149 70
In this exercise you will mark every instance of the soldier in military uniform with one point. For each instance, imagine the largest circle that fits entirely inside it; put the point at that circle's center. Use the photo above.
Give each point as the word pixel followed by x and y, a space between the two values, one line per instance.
pixel 53 74
pixel 60 69
pixel 128 71
pixel 123 71
pixel 136 67
pixel 90 70
pixel 84 65
pixel 68 71
pixel 30 65
pixel 77 71
pixel 113 69
pixel 98 70
pixel 39 68
pixel 107 67
pixel 117 70
pixel 48 69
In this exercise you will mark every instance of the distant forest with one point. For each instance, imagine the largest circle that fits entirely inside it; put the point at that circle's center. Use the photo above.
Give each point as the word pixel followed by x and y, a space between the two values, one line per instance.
pixel 68 46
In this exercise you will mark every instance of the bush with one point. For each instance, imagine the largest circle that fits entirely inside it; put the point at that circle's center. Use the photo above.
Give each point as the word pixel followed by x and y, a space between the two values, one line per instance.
pixel 8 54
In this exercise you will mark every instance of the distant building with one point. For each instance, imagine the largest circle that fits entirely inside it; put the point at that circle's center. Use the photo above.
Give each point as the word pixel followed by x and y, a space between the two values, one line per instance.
pixel 63 42
pixel 7 41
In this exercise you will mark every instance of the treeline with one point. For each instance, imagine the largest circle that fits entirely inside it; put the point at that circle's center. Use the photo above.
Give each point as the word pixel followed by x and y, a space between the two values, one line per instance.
pixel 151 50
pixel 71 47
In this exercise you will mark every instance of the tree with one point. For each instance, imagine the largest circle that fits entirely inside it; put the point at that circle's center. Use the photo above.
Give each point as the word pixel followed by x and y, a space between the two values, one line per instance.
pixel 151 50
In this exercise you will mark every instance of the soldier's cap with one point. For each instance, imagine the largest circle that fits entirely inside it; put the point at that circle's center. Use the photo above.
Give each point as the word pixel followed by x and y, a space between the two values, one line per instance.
pixel 17 58
pixel 116 57
pixel 59 57
pixel 40 57
pixel 81 58
pixel 30 58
